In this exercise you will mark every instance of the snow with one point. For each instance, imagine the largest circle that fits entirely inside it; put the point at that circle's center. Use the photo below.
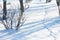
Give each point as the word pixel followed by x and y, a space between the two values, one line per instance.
pixel 42 22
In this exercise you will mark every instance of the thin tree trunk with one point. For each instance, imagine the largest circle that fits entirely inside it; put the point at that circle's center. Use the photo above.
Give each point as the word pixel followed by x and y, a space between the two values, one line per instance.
pixel 4 10
pixel 20 14
pixel 58 4
pixel 5 14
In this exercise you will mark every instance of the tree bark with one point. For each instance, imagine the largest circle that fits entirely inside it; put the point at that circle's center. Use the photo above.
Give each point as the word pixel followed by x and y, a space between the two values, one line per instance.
pixel 4 10
pixel 5 23
pixel 20 14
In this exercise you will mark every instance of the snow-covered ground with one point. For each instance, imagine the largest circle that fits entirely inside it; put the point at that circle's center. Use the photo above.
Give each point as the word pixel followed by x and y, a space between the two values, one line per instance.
pixel 42 23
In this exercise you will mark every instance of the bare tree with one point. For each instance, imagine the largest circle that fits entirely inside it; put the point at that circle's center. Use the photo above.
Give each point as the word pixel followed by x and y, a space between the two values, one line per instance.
pixel 8 20
pixel 4 10
pixel 58 4
pixel 20 14
pixel 5 14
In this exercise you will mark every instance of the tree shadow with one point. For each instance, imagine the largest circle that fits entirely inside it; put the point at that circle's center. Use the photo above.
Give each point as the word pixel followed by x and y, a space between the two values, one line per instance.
pixel 40 8
pixel 21 35
pixel 30 31
pixel 7 32
pixel 29 25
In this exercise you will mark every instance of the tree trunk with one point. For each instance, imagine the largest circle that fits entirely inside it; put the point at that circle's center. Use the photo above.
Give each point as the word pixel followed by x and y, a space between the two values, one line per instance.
pixel 20 14
pixel 4 10
pixel 21 5
pixel 4 15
